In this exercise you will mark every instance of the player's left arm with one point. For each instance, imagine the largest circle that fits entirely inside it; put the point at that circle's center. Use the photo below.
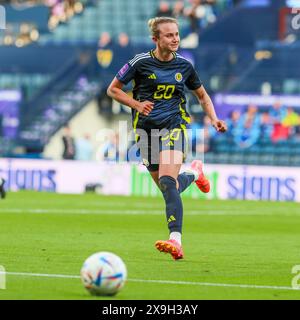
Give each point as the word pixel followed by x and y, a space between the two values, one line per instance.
pixel 209 109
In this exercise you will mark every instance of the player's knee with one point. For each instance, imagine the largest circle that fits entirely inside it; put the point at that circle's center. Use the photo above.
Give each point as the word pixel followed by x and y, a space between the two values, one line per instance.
pixel 167 183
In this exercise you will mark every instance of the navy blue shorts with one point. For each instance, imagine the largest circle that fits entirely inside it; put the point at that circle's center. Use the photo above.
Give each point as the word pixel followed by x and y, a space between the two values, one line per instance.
pixel 151 141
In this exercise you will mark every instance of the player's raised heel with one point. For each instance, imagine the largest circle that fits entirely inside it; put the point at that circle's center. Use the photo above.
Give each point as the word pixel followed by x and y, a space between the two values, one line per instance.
pixel 202 182
pixel 170 246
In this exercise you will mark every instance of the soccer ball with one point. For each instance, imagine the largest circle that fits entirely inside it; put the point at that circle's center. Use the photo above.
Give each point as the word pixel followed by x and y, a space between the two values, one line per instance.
pixel 103 273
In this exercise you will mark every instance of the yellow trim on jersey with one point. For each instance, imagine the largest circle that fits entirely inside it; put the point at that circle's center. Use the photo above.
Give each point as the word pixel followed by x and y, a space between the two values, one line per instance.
pixel 183 112
pixel 153 55
pixel 185 152
pixel 135 121
pixel 183 127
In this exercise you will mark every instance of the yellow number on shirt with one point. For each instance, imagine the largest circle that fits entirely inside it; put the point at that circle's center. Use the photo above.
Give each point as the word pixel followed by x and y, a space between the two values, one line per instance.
pixel 159 93
pixel 174 135
pixel 164 91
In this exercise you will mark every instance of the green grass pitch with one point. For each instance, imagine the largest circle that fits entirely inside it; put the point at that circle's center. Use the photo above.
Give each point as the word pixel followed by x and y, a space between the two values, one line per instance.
pixel 233 249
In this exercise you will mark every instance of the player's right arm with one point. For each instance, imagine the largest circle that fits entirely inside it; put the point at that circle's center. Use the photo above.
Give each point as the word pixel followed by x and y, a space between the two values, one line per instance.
pixel 209 109
pixel 115 92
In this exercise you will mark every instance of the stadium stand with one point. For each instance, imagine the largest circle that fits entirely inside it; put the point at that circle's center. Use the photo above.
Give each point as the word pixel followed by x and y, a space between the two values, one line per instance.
pixel 80 46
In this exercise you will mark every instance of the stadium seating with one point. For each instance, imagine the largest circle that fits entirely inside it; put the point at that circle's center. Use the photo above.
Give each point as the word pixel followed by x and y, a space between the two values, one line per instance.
pixel 57 110
pixel 285 153
pixel 114 17
pixel 230 64
pixel 29 84
pixel 279 69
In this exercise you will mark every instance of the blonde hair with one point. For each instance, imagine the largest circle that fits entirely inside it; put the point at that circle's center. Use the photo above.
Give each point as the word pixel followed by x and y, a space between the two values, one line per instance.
pixel 155 22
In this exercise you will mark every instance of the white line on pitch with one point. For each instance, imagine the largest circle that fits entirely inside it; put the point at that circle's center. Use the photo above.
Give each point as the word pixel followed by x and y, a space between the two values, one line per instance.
pixel 189 283
pixel 147 212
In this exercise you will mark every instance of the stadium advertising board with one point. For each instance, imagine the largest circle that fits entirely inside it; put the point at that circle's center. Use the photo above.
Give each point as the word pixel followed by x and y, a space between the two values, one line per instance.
pixel 227 181
pixel 65 176
pixel 226 103
pixel 234 182
pixel 257 183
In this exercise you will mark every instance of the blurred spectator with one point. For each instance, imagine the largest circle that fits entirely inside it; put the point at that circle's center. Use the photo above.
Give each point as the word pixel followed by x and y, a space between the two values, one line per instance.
pixel 200 135
pixel 246 135
pixel 209 133
pixel 277 112
pixel 195 133
pixel 69 145
pixel 123 39
pixel 62 10
pixel 280 132
pixel 252 127
pixel 84 148
pixel 233 121
pixel 291 119
pixel 104 103
pixel 292 122
pixel 250 115
pixel 164 9
pixel 104 40
pixel 266 126
pixel 192 13
pixel 200 14
pixel 110 150
pixel 132 153
pixel 178 8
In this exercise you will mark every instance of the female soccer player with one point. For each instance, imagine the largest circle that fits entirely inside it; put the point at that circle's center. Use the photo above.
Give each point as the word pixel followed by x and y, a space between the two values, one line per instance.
pixel 160 118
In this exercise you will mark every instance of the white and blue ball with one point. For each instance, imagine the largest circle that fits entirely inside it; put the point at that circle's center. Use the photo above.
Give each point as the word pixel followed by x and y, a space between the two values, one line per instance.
pixel 103 273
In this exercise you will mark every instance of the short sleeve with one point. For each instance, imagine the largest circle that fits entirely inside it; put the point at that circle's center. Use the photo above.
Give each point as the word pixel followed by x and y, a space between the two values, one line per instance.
pixel 193 81
pixel 126 73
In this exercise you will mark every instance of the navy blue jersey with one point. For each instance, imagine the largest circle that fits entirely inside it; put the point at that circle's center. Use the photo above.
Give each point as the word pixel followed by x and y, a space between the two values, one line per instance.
pixel 161 82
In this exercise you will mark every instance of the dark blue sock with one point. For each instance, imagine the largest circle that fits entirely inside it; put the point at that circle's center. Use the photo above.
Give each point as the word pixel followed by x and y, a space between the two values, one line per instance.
pixel 174 210
pixel 184 180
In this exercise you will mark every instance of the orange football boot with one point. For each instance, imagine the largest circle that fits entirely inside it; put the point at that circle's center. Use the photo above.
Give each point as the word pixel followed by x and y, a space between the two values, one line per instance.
pixel 202 182
pixel 170 246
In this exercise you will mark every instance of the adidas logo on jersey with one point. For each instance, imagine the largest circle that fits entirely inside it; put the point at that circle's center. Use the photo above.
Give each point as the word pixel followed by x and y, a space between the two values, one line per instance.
pixel 152 76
